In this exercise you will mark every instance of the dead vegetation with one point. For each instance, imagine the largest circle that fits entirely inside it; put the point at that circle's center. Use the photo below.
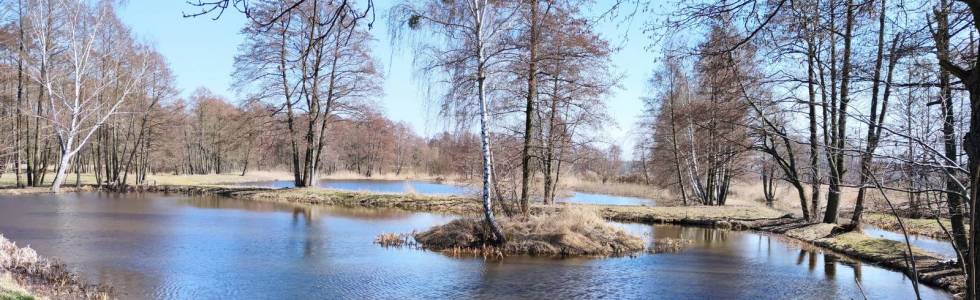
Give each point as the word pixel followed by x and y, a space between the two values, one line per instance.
pixel 667 245
pixel 44 277
pixel 691 215
pixel 688 215
pixel 924 227
pixel 318 196
pixel 570 232
pixel 891 254
pixel 389 239
pixel 11 290
pixel 637 190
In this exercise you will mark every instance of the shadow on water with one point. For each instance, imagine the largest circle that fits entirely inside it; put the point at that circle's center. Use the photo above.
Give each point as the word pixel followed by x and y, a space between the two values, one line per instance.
pixel 159 246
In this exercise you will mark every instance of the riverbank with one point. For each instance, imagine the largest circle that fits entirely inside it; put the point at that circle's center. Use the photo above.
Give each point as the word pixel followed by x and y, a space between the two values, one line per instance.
pixel 11 191
pixel 721 216
pixel 620 189
pixel 886 253
pixel 890 254
pixel 10 289
pixel 26 275
pixel 922 226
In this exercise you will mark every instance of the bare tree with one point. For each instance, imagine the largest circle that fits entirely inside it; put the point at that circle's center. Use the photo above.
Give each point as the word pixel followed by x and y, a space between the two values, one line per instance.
pixel 65 67
pixel 467 42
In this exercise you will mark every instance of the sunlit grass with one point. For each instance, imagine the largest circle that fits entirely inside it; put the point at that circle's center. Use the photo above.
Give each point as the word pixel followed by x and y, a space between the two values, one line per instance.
pixel 926 226
pixel 618 189
pixel 11 290
pixel 8 179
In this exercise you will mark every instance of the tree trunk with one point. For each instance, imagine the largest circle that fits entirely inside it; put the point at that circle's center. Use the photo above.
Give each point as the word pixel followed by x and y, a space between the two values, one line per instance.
pixel 815 180
pixel 485 128
pixel 59 177
pixel 953 199
pixel 532 93
pixel 673 139
pixel 485 150
pixel 873 131
pixel 837 165
pixel 20 92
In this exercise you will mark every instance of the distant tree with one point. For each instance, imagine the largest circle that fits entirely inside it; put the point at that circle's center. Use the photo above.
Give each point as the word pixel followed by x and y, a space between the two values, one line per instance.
pixel 310 75
pixel 64 63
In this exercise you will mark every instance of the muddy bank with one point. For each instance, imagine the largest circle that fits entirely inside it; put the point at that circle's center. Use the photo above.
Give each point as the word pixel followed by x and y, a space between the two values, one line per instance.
pixel 24 273
pixel 890 254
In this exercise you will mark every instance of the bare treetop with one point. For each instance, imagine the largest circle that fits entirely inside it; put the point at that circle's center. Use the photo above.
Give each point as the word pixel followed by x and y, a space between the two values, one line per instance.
pixel 345 13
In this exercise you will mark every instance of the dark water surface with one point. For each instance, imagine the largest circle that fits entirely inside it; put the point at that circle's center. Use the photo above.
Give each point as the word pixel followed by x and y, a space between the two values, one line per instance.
pixel 157 246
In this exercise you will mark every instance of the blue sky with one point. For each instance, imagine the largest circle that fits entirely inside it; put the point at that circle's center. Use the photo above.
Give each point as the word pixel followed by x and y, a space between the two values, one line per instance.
pixel 201 52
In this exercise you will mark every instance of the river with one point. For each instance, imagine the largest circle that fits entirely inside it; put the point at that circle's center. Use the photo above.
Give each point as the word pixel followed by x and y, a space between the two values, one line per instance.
pixel 441 189
pixel 178 247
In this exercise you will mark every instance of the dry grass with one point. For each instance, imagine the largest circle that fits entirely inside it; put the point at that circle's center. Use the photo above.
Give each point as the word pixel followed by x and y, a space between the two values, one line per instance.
pixel 924 227
pixel 319 196
pixel 409 175
pixel 617 189
pixel 570 232
pixel 704 215
pixel 11 290
pixel 9 180
pixel 217 178
pixel 890 254
pixel 707 215
pixel 788 200
pixel 41 190
pixel 812 232
pixel 666 245
pixel 389 239
pixel 43 276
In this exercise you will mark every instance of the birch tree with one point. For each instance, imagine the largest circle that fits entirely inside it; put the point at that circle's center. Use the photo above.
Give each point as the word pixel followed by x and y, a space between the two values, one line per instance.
pixel 465 39
pixel 66 52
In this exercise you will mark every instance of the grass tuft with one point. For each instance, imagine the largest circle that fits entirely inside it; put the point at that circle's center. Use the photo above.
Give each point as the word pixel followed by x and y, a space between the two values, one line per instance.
pixel 389 239
pixel 570 232
pixel 925 227
pixel 45 276
pixel 667 245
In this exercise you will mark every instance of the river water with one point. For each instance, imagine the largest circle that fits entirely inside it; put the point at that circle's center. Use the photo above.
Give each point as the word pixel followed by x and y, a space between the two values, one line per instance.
pixel 436 189
pixel 943 249
pixel 178 247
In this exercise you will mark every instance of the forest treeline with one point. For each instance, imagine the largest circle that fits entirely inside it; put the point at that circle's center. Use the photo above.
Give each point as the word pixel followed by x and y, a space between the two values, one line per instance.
pixel 822 97
pixel 80 96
